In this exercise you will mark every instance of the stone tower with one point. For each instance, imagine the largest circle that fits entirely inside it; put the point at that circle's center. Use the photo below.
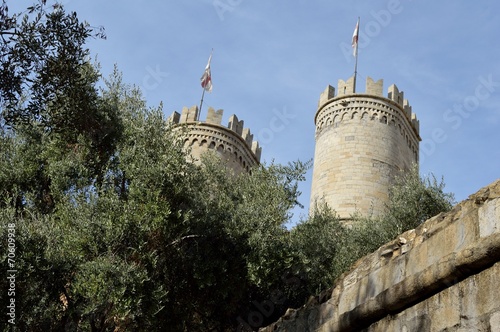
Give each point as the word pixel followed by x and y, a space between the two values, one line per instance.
pixel 362 141
pixel 233 144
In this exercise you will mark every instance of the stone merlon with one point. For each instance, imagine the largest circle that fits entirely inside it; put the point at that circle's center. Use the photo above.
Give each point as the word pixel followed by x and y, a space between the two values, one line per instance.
pixel 346 88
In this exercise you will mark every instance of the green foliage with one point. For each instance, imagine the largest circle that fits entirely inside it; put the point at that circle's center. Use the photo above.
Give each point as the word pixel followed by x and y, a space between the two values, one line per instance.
pixel 116 231
pixel 150 241
pixel 48 97
pixel 255 209
pixel 318 243
pixel 328 248
pixel 44 75
pixel 414 199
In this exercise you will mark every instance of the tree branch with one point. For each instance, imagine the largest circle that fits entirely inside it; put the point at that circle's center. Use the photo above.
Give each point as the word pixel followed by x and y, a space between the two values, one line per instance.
pixel 184 238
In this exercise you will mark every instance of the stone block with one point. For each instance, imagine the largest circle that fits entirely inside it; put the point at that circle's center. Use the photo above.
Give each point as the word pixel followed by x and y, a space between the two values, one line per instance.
pixel 374 88
pixel 489 217
pixel 495 321
pixel 326 95
pixel 444 309
pixel 174 118
pixel 214 117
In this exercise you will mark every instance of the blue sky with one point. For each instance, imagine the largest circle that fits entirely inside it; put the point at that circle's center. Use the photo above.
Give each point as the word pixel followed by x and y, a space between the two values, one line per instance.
pixel 272 59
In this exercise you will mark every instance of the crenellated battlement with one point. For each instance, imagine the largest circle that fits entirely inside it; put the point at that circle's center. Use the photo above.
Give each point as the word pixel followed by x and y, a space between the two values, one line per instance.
pixel 234 141
pixel 363 140
pixel 372 88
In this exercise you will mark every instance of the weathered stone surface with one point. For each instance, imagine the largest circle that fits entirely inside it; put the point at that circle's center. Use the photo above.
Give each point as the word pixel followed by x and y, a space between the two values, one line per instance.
pixel 362 141
pixel 233 144
pixel 444 276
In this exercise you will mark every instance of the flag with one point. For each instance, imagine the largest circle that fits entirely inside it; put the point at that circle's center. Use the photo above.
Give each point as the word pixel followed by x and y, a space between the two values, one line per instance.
pixel 206 78
pixel 355 39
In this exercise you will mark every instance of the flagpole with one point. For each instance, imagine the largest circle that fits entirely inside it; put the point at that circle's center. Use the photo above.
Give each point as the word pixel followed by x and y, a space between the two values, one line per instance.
pixel 201 103
pixel 356 62
pixel 204 87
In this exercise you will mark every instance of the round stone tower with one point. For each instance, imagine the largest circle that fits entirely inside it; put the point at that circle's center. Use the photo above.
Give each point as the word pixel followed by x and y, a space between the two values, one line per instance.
pixel 233 144
pixel 362 141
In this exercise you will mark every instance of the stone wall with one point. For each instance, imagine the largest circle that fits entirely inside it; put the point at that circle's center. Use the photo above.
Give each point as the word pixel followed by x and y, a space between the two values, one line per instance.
pixel 442 276
pixel 233 143
pixel 362 141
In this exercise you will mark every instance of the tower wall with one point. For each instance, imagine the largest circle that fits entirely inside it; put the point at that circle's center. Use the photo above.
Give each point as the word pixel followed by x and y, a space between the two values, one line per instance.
pixel 362 141
pixel 234 144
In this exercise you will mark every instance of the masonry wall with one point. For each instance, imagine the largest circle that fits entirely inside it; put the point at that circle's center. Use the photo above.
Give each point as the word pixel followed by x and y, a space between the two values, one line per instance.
pixel 233 143
pixel 362 142
pixel 442 276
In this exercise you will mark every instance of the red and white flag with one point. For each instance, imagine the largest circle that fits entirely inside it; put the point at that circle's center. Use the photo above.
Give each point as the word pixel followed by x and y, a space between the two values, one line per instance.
pixel 206 78
pixel 355 39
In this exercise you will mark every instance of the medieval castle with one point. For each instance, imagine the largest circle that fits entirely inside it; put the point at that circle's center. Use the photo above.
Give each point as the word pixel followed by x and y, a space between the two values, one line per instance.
pixel 362 141
pixel 441 276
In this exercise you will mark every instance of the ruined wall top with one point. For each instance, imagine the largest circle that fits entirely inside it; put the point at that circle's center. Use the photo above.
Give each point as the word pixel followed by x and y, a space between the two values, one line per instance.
pixel 372 88
pixel 214 118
